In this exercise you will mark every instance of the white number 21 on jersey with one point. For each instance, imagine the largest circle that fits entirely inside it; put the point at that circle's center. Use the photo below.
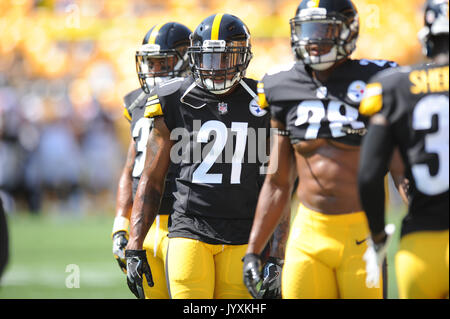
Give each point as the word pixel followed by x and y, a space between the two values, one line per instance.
pixel 201 175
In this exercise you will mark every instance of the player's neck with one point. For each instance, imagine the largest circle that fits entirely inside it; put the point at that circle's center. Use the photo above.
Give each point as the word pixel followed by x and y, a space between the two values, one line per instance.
pixel 324 75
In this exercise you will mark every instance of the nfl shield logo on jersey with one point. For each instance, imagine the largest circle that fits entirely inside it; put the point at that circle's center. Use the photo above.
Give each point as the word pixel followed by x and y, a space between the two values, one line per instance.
pixel 222 107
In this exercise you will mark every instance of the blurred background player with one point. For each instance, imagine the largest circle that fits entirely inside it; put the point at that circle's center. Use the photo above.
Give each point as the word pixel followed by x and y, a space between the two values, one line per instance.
pixel 411 109
pixel 162 56
pixel 215 199
pixel 314 105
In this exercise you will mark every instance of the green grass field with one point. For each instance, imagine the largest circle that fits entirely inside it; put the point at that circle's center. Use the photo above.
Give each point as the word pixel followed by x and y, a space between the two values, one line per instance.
pixel 42 247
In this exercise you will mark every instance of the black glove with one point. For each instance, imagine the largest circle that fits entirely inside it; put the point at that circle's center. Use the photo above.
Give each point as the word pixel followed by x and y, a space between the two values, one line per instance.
pixel 271 285
pixel 137 267
pixel 252 274
pixel 120 241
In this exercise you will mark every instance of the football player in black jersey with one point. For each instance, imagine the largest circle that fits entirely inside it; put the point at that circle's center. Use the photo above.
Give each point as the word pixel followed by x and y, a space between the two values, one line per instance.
pixel 213 113
pixel 411 109
pixel 162 56
pixel 314 105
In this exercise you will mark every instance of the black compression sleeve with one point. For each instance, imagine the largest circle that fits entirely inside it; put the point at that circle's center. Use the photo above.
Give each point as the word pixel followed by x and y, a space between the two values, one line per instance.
pixel 376 151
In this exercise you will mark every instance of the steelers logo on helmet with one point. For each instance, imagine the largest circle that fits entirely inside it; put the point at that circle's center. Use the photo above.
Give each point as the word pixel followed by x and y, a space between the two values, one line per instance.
pixel 220 52
pixel 324 32
pixel 163 54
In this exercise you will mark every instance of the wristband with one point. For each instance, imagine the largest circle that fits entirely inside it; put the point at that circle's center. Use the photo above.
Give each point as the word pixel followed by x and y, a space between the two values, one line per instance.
pixel 120 224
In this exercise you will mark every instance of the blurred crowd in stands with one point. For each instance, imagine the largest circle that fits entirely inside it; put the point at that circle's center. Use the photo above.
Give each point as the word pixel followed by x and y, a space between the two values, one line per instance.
pixel 66 64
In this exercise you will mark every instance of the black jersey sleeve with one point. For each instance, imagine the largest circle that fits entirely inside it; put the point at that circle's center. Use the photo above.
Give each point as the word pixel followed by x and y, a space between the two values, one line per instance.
pixel 376 150
pixel 277 112
pixel 127 101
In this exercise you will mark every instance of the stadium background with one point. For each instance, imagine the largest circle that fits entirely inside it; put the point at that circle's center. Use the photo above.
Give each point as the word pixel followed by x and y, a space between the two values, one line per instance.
pixel 64 68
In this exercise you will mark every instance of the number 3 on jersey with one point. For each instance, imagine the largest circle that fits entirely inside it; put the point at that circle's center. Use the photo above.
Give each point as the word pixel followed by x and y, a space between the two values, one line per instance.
pixel 201 175
pixel 436 143
pixel 141 133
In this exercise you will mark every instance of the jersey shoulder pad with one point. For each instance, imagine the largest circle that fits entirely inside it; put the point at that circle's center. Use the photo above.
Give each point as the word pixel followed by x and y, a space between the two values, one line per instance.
pixel 129 98
pixel 273 79
pixel 163 90
pixel 378 64
pixel 168 87
pixel 380 85
pixel 250 85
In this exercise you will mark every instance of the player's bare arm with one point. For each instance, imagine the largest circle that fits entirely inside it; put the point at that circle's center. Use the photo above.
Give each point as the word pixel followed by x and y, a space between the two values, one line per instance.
pixel 280 234
pixel 274 199
pixel 124 200
pixel 124 203
pixel 146 205
pixel 273 205
pixel 151 184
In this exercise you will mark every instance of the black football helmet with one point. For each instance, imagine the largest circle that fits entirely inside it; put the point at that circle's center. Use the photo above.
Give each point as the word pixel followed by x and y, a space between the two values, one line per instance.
pixel 435 26
pixel 324 32
pixel 220 52
pixel 163 54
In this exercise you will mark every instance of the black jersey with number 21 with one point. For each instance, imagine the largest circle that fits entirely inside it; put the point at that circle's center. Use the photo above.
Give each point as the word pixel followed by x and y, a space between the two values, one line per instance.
pixel 218 179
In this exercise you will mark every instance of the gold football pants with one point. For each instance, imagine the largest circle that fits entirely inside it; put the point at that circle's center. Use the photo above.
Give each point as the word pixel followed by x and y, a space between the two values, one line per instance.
pixel 421 265
pixel 155 245
pixel 196 270
pixel 324 257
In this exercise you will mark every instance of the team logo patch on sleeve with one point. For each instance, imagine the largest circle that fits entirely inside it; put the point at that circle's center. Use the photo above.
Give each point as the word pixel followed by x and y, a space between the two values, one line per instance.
pixel 255 109
pixel 356 91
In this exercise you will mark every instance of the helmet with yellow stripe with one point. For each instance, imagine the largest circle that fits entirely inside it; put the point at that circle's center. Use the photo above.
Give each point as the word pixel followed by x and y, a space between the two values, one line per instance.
pixel 220 52
pixel 163 54
pixel 324 32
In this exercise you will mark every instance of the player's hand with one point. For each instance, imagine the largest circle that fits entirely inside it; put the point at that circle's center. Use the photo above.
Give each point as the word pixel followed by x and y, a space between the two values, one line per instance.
pixel 271 285
pixel 252 274
pixel 374 257
pixel 137 267
pixel 120 241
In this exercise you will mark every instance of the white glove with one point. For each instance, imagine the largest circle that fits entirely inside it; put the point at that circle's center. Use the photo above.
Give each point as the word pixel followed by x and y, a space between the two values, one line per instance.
pixel 374 257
